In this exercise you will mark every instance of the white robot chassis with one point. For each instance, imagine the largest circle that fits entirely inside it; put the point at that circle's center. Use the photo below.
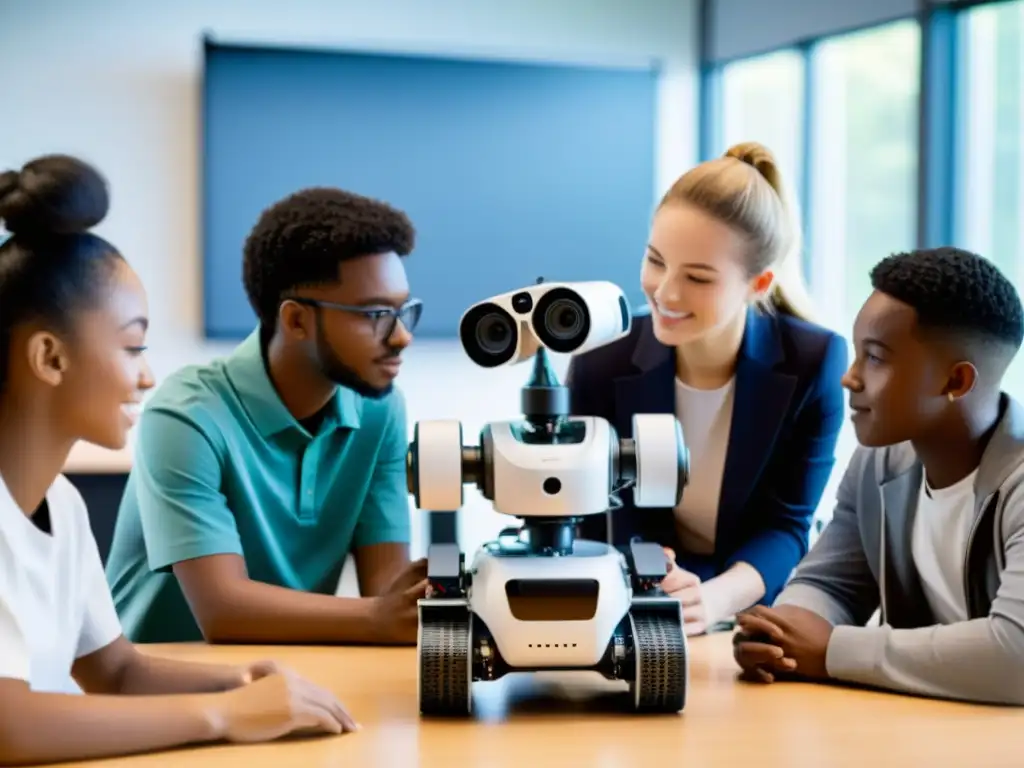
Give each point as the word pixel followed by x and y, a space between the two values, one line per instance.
pixel 538 597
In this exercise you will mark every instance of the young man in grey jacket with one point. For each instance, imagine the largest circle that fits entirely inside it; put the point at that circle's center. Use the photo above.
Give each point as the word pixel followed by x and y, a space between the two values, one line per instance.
pixel 928 527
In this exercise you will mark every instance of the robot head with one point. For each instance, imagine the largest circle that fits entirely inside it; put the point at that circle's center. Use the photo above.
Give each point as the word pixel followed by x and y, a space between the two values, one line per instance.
pixel 567 318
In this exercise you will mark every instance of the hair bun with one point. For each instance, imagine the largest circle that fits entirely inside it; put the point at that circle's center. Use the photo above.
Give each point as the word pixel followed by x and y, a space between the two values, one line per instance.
pixel 755 155
pixel 53 195
pixel 759 157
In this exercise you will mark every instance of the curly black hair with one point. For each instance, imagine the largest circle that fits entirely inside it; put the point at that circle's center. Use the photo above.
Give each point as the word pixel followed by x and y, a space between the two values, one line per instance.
pixel 301 239
pixel 955 291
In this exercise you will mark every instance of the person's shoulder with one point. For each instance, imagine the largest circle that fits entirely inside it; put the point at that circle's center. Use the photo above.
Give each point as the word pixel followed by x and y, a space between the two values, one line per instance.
pixel 382 415
pixel 186 417
pixel 874 466
pixel 193 387
pixel 200 395
pixel 65 494
pixel 1011 499
pixel 616 358
pixel 68 509
pixel 1002 464
pixel 809 348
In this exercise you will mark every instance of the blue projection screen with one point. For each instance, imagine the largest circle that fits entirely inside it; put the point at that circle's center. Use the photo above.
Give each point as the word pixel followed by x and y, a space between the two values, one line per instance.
pixel 509 171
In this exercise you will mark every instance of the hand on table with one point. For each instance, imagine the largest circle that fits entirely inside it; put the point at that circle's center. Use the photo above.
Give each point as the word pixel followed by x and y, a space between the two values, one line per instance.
pixel 686 587
pixel 260 669
pixel 276 703
pixel 781 640
pixel 394 613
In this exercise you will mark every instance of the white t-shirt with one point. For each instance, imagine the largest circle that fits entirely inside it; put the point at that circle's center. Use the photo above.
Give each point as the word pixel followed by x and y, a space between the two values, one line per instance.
pixel 706 417
pixel 941 527
pixel 55 605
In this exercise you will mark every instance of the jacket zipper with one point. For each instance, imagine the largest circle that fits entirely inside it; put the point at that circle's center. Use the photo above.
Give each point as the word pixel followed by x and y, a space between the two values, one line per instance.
pixel 968 595
pixel 882 564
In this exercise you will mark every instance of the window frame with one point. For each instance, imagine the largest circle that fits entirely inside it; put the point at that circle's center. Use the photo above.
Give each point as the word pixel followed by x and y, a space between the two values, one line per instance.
pixel 942 123
pixel 940 119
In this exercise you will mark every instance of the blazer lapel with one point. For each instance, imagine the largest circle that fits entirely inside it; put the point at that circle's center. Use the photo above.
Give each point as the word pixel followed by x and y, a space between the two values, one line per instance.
pixel 760 404
pixel 650 390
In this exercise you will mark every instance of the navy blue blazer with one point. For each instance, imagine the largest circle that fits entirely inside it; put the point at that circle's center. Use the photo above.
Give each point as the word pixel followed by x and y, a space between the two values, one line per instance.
pixel 788 410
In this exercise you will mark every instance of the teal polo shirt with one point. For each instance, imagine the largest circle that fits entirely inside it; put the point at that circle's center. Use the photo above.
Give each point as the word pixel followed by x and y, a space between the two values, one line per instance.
pixel 221 466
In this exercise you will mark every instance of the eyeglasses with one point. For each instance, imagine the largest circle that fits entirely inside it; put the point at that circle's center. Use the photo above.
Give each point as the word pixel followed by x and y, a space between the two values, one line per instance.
pixel 384 319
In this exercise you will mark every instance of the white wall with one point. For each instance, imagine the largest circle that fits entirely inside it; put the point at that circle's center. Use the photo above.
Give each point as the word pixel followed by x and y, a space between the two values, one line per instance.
pixel 117 82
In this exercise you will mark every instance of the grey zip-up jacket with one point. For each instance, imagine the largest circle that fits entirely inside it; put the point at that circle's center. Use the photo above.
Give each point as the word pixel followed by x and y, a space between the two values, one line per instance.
pixel 862 562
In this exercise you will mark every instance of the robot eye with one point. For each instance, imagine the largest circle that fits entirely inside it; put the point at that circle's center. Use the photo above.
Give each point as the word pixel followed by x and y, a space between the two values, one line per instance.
pixel 493 333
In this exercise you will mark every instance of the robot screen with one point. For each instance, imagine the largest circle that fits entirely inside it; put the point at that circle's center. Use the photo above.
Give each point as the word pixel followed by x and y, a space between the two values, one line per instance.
pixel 552 599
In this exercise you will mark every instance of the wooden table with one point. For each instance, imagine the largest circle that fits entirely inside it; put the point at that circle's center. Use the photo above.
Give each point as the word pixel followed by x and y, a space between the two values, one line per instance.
pixel 576 720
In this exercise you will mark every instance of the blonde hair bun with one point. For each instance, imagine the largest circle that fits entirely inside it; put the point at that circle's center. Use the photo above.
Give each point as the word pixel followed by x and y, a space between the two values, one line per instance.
pixel 759 157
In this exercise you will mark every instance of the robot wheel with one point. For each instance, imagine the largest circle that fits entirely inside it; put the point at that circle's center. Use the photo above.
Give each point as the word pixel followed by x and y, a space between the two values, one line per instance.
pixel 659 652
pixel 657 676
pixel 445 660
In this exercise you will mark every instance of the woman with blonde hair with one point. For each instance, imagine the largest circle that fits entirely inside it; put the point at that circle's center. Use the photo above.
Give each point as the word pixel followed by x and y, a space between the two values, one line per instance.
pixel 729 347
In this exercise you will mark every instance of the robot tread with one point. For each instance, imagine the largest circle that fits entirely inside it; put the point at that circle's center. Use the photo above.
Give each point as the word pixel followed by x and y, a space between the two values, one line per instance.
pixel 450 650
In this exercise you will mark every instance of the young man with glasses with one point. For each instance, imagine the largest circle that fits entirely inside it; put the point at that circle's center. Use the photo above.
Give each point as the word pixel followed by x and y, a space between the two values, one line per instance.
pixel 255 476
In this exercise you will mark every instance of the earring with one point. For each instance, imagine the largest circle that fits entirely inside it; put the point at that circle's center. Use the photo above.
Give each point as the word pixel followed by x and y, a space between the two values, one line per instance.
pixel 950 396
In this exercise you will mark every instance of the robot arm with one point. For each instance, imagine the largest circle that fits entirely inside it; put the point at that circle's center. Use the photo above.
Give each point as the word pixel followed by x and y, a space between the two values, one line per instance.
pixel 438 465
pixel 655 461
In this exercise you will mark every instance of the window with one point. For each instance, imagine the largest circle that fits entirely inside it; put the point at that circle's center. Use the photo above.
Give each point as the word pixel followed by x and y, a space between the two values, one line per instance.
pixel 864 140
pixel 991 163
pixel 857 152
pixel 762 101
pixel 863 176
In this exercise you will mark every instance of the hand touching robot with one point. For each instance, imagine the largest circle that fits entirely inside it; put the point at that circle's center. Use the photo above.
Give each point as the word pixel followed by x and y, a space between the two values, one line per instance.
pixel 686 588
pixel 539 597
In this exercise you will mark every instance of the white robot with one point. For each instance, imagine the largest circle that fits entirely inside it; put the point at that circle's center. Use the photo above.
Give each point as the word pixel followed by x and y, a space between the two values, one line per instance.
pixel 538 597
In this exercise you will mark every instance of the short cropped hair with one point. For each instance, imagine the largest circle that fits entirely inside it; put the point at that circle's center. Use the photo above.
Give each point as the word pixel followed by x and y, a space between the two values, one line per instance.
pixel 958 292
pixel 302 239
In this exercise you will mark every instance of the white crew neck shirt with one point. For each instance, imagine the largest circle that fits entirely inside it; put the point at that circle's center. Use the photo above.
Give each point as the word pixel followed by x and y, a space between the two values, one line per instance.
pixel 942 525
pixel 706 418
pixel 55 606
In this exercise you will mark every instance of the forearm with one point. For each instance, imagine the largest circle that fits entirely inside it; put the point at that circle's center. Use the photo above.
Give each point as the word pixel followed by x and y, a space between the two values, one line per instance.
pixel 980 660
pixel 732 591
pixel 834 579
pixel 252 612
pixel 47 728
pixel 152 675
pixel 822 601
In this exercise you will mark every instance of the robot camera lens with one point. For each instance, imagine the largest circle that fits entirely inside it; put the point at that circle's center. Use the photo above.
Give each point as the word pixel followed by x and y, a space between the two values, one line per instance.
pixel 489 334
pixel 564 319
pixel 522 303
pixel 552 485
pixel 494 334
